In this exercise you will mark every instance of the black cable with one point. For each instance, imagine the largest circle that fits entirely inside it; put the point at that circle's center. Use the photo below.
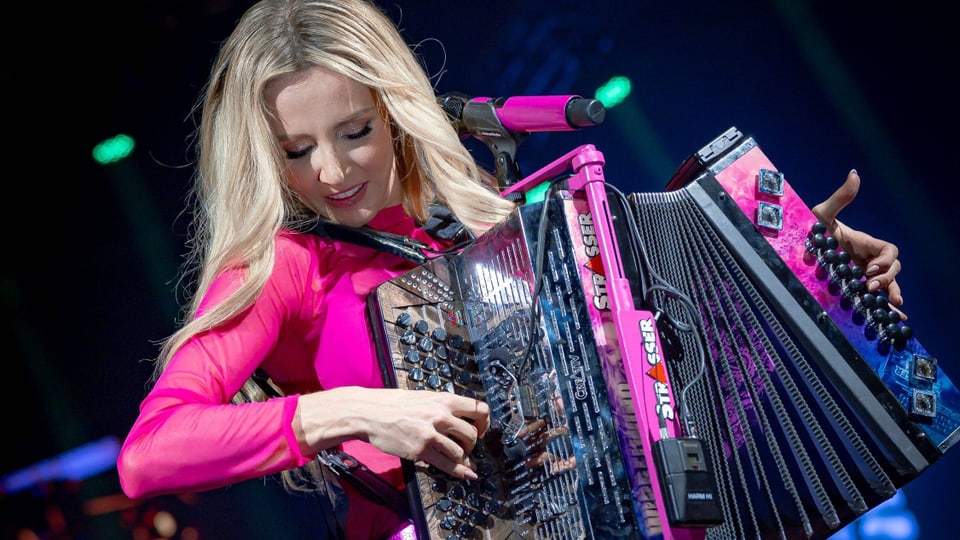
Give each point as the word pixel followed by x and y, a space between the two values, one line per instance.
pixel 537 264
pixel 658 283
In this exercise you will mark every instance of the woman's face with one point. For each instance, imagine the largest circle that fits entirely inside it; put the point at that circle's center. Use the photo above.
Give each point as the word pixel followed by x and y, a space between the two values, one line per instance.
pixel 339 149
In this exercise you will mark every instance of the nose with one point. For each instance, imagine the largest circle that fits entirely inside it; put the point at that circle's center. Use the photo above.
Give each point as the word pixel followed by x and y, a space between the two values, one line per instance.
pixel 331 168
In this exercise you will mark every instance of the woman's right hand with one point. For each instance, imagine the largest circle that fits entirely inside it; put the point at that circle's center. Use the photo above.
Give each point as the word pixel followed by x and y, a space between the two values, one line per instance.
pixel 438 428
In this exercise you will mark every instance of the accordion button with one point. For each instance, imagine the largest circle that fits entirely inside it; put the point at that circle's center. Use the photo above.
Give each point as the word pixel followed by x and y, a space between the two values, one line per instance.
pixel 489 488
pixel 421 326
pixel 457 492
pixel 448 523
pixel 484 470
pixel 479 451
pixel 815 242
pixel 479 519
pixel 465 530
pixel 425 344
pixel 408 338
pixel 404 320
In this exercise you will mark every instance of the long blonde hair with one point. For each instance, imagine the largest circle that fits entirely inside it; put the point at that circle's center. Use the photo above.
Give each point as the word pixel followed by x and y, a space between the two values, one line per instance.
pixel 240 198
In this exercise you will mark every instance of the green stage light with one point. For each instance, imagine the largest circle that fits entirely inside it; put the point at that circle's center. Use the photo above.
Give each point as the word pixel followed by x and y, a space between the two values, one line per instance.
pixel 113 149
pixel 614 91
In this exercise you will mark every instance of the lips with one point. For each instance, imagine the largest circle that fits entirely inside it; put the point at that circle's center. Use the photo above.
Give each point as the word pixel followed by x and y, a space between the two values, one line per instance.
pixel 347 198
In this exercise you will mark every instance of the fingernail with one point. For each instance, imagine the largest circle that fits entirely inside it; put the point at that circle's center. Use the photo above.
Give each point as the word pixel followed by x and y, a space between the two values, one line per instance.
pixel 853 171
pixel 471 475
pixel 873 286
pixel 873 270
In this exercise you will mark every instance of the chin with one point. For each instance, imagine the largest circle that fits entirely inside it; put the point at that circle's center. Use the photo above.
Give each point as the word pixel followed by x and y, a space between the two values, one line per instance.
pixel 352 218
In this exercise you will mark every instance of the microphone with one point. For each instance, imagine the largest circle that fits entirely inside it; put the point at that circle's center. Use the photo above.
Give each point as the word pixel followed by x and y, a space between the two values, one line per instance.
pixel 480 116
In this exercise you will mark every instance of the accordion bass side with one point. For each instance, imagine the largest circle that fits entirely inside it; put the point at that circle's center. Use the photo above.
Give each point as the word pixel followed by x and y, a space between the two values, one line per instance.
pixel 816 402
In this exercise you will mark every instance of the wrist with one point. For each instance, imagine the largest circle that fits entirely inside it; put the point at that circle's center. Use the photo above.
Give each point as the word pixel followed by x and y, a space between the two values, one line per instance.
pixel 318 422
pixel 326 418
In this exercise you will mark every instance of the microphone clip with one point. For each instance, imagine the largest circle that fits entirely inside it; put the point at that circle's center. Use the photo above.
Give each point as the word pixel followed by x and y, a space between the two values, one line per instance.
pixel 479 119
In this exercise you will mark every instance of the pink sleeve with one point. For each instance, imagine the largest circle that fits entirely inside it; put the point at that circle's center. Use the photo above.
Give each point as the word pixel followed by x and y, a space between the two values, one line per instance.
pixel 188 436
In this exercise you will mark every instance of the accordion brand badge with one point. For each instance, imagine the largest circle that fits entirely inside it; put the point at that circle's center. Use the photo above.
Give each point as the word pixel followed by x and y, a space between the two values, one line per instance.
pixel 657 371
pixel 647 325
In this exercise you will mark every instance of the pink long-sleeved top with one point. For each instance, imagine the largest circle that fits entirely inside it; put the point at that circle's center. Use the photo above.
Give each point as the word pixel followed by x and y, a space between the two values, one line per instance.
pixel 308 330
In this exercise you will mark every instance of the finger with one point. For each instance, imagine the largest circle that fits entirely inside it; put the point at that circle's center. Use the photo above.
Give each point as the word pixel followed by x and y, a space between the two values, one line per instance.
pixel 877 280
pixel 893 293
pixel 463 433
pixel 903 316
pixel 451 458
pixel 439 459
pixel 887 282
pixel 563 465
pixel 827 211
pixel 886 257
pixel 476 411
pixel 537 459
pixel 532 427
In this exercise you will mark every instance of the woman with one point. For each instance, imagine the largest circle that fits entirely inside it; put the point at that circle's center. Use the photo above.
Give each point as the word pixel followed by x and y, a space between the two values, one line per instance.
pixel 315 110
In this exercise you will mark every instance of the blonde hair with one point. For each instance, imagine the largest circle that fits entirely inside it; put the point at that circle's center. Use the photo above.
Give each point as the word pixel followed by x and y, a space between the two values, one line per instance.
pixel 240 198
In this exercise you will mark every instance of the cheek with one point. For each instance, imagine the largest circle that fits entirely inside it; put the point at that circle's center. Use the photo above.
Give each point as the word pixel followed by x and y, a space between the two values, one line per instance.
pixel 300 177
pixel 382 158
pixel 384 163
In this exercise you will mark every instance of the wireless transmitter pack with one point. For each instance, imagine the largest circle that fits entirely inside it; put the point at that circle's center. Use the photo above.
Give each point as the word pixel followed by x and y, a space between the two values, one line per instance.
pixel 689 491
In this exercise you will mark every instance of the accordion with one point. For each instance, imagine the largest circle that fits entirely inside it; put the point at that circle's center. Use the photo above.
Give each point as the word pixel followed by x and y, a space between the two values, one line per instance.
pixel 694 363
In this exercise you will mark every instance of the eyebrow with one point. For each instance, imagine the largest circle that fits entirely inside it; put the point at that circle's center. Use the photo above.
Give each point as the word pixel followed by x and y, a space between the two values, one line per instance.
pixel 357 114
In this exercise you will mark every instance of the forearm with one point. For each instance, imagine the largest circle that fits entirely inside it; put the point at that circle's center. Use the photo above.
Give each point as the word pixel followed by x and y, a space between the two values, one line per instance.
pixel 177 447
pixel 325 419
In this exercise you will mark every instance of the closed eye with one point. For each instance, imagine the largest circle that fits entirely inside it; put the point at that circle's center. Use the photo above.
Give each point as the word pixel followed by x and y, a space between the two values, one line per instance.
pixel 297 154
pixel 363 132
pixel 359 134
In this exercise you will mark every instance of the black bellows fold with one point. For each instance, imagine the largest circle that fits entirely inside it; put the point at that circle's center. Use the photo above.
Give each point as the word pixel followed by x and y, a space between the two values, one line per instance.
pixel 790 457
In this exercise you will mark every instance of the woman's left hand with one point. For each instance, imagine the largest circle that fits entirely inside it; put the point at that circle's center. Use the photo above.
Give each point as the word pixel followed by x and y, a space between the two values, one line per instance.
pixel 877 257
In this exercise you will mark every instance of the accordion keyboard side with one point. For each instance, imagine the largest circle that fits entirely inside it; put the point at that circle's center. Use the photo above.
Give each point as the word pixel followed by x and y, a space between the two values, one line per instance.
pixel 551 465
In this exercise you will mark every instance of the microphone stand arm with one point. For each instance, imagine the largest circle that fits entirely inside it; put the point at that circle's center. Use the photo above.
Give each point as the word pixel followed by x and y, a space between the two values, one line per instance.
pixel 478 119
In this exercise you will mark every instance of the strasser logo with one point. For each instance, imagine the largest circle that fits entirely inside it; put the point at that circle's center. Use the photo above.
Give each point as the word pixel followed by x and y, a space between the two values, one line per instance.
pixel 657 371
pixel 591 249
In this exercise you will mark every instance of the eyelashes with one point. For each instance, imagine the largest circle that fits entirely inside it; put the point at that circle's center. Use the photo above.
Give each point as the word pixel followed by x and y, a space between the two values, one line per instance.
pixel 299 153
pixel 364 131
pixel 353 136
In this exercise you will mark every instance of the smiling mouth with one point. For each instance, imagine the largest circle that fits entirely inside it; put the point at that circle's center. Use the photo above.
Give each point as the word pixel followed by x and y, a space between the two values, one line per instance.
pixel 346 194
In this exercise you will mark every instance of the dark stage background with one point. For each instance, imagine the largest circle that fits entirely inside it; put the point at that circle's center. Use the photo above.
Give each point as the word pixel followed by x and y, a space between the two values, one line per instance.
pixel 92 252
